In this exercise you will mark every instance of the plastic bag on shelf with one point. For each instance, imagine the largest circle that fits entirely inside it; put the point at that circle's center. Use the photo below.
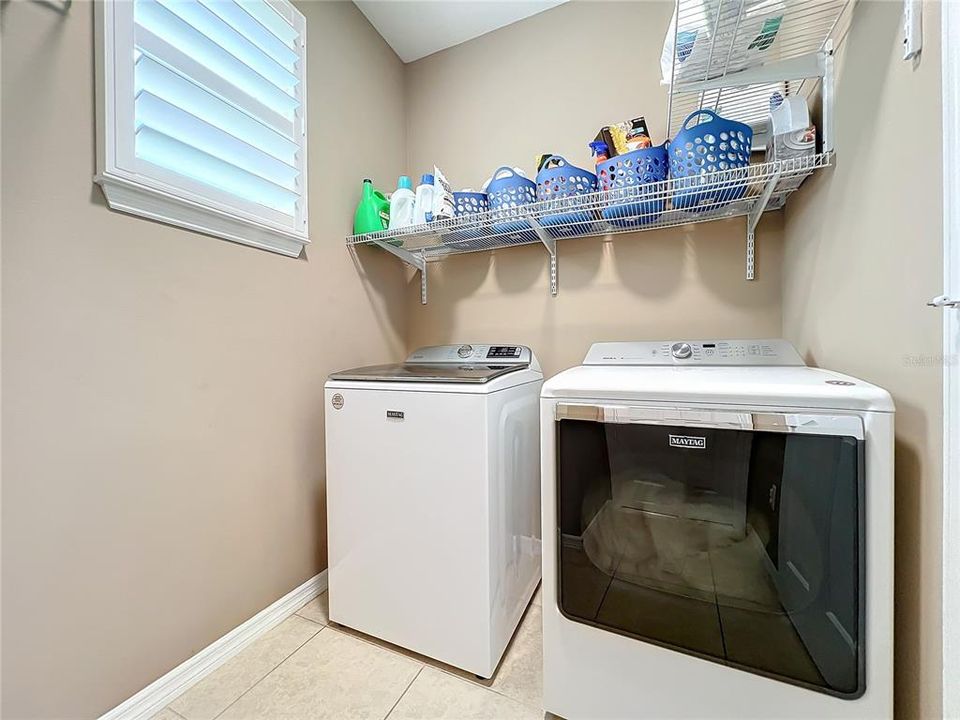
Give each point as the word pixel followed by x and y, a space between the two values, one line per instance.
pixel 745 31
pixel 687 47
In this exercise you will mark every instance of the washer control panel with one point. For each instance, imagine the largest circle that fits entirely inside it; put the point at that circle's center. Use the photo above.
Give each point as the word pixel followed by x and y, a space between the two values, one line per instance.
pixel 695 352
pixel 469 354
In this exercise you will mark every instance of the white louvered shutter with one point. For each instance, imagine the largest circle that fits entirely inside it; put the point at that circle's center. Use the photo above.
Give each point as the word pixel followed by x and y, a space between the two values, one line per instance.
pixel 208 112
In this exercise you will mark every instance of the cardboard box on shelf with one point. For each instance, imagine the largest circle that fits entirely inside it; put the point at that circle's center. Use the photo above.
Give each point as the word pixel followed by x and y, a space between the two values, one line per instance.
pixel 626 136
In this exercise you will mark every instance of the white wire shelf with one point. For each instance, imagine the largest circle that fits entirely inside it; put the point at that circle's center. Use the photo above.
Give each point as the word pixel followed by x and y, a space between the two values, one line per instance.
pixel 734 54
pixel 743 192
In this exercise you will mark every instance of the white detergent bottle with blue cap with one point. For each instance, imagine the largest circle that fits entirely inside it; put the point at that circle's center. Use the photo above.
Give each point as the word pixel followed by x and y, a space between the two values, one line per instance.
pixel 423 203
pixel 402 204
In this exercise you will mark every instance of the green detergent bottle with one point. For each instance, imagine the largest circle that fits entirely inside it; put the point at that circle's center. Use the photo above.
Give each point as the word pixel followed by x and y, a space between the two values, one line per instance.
pixel 373 212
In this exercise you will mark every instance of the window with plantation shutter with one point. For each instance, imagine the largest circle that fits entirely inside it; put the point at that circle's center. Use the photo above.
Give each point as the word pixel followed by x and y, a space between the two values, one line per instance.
pixel 202 116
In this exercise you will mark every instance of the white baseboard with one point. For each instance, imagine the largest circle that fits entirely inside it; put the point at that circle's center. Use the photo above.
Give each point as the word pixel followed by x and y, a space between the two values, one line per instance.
pixel 158 694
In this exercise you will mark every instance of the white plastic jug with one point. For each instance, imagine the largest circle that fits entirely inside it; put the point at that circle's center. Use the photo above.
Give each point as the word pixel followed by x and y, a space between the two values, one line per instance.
pixel 424 201
pixel 402 205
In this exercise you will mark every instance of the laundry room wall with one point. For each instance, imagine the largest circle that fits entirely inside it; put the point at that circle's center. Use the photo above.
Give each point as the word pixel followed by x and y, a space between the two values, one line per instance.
pixel 863 255
pixel 547 84
pixel 163 441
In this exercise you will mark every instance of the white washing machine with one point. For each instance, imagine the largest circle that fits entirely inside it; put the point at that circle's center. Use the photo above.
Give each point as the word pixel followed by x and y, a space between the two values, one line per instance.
pixel 718 536
pixel 433 500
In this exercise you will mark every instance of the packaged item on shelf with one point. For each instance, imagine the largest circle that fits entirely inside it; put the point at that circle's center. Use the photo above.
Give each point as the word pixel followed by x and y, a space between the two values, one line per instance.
pixel 604 136
pixel 624 137
pixel 423 201
pixel 542 159
pixel 788 114
pixel 442 197
pixel 599 151
pixel 793 144
pixel 563 183
pixel 373 210
pixel 631 135
pixel 401 204
pixel 793 134
pixel 709 162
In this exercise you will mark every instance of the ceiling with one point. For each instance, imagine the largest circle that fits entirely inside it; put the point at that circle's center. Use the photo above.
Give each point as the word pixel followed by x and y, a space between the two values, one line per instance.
pixel 417 28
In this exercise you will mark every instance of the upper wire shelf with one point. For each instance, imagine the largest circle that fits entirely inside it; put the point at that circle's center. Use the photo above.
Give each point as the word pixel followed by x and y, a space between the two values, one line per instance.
pixel 730 56
pixel 741 192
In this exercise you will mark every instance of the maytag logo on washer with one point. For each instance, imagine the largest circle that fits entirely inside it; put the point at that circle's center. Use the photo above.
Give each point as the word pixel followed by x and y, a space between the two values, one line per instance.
pixel 337 401
pixel 688 441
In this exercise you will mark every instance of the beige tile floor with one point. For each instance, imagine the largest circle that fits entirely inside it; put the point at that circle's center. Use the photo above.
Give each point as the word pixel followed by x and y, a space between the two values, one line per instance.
pixel 307 668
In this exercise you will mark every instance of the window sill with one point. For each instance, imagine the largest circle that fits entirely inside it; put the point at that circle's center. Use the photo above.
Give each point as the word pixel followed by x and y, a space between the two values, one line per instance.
pixel 134 198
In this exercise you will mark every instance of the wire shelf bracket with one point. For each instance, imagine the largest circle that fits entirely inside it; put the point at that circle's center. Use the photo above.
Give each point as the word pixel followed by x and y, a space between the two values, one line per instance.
pixel 414 260
pixel 550 243
pixel 753 217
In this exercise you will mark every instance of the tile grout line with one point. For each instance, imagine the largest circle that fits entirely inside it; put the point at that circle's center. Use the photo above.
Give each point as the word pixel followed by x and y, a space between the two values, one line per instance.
pixel 409 685
pixel 271 671
pixel 404 653
pixel 490 688
pixel 315 622
pixel 515 700
pixel 441 666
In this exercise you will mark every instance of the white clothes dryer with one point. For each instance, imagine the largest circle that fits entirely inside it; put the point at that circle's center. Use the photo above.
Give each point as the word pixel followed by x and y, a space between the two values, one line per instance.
pixel 718 536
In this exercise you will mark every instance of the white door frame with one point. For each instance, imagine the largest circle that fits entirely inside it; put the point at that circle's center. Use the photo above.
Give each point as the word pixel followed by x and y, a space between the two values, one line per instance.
pixel 951 355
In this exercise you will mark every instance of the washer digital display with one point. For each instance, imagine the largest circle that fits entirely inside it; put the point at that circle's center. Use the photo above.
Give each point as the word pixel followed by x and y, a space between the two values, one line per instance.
pixel 504 351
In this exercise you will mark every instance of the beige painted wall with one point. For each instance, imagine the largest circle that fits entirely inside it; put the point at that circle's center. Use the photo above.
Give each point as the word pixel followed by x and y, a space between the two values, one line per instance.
pixel 863 254
pixel 163 454
pixel 534 87
pixel 163 466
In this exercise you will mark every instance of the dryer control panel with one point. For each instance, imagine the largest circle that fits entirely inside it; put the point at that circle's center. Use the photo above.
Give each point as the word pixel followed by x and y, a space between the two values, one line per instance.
pixel 695 352
pixel 472 354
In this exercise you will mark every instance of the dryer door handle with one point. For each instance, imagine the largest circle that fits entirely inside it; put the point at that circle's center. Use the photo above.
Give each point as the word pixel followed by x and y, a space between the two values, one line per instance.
pixel 805 423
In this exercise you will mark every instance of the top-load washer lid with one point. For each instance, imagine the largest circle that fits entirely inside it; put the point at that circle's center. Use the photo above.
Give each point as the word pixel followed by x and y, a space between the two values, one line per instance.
pixel 427 373
pixel 446 364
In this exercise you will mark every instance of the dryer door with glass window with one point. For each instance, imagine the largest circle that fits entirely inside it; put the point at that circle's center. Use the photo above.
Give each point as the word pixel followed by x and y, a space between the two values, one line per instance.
pixel 732 536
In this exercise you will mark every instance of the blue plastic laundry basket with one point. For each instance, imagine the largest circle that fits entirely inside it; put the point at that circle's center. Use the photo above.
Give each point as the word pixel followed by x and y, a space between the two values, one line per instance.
pixel 464 235
pixel 507 193
pixel 699 151
pixel 560 185
pixel 630 180
pixel 470 203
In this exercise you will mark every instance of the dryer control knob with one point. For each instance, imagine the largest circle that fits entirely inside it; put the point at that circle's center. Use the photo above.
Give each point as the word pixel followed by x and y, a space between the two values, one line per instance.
pixel 681 351
pixel 465 351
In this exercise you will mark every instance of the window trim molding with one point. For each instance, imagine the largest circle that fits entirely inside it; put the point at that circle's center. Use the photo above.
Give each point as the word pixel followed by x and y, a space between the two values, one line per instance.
pixel 135 194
